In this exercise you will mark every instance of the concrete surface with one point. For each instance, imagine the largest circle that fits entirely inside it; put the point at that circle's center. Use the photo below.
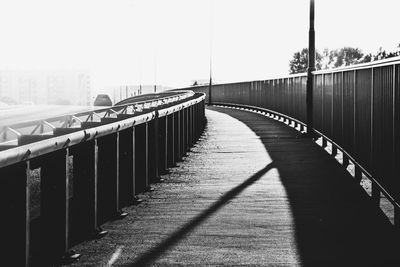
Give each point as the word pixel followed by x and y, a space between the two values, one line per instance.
pixel 251 192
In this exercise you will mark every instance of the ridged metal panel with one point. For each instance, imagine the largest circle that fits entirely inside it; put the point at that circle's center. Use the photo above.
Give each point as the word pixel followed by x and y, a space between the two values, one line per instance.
pixel 282 104
pixel 267 96
pixel 327 98
pixel 300 99
pixel 292 97
pixel 264 94
pixel 363 117
pixel 270 94
pixel 259 97
pixel 337 119
pixel 358 108
pixel 382 143
pixel 273 97
pixel 256 101
pixel 278 92
pixel 252 93
pixel 276 103
pixel 222 93
pixel 348 111
pixel 236 93
pixel 246 89
pixel 396 134
pixel 317 101
pixel 285 95
pixel 241 95
pixel 303 98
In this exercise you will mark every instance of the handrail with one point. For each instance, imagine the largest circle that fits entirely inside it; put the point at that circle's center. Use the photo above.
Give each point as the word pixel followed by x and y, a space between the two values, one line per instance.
pixel 24 152
pixel 60 188
pixel 136 105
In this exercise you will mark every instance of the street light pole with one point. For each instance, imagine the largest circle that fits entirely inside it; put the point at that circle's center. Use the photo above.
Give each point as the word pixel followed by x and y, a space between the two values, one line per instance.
pixel 211 41
pixel 311 68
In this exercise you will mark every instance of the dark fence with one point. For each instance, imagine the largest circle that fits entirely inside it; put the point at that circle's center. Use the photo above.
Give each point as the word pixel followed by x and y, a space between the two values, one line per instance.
pixel 357 109
pixel 58 189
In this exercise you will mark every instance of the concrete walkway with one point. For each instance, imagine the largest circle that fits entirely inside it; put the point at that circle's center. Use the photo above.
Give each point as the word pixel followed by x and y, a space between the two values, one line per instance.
pixel 251 192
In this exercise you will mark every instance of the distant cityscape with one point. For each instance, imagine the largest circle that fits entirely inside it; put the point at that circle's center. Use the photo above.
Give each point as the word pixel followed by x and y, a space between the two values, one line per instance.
pixel 62 87
pixel 45 87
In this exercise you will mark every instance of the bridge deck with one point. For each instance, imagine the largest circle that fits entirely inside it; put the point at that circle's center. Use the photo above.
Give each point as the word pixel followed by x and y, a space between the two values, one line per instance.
pixel 250 192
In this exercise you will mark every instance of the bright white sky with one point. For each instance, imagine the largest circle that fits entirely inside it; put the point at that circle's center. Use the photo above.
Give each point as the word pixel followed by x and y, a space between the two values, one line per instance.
pixel 138 41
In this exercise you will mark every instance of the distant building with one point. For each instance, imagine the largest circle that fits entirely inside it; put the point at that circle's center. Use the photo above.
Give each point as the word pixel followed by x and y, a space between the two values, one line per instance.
pixel 46 87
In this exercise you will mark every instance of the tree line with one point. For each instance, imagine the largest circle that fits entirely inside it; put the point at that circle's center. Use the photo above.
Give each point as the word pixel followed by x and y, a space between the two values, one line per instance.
pixel 341 57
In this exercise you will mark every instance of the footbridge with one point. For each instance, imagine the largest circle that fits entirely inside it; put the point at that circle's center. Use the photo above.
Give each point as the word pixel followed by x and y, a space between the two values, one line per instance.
pixel 222 174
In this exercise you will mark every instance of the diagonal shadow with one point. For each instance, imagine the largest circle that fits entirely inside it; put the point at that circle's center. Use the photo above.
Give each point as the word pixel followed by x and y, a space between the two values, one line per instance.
pixel 152 254
pixel 336 223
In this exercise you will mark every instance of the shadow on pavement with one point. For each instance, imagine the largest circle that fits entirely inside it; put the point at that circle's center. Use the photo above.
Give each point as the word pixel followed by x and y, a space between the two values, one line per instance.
pixel 336 223
pixel 335 220
pixel 154 253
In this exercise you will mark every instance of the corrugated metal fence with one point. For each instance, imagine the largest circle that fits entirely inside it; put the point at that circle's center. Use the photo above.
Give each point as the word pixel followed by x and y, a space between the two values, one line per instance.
pixel 357 109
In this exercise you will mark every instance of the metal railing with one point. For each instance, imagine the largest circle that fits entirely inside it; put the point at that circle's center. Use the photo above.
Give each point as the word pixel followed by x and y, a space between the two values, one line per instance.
pixel 10 134
pixel 356 109
pixel 60 185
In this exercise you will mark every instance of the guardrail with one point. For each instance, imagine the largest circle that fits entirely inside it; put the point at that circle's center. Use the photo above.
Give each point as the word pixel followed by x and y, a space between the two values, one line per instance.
pixel 58 189
pixel 10 134
pixel 356 109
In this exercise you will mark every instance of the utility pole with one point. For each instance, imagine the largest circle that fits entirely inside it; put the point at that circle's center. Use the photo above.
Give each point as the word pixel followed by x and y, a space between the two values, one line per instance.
pixel 311 68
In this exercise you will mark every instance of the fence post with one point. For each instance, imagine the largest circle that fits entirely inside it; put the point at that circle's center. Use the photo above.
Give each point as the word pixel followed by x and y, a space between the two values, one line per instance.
pixel 14 202
pixel 54 205
pixel 84 201
pixel 141 159
pixel 171 140
pixel 126 167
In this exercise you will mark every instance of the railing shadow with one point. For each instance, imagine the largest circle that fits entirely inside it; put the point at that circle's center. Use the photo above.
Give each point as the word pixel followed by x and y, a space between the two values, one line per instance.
pixel 152 254
pixel 336 223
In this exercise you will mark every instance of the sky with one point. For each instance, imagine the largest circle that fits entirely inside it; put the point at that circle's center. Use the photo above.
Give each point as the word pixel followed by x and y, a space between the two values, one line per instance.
pixel 172 42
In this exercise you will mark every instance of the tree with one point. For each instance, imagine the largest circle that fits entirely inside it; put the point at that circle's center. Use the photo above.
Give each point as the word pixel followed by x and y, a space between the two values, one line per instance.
pixel 345 56
pixel 382 54
pixel 341 57
pixel 299 63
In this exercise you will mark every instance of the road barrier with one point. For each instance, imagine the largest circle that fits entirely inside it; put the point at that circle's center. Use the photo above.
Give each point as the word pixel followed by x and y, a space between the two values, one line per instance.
pixel 59 187
pixel 356 109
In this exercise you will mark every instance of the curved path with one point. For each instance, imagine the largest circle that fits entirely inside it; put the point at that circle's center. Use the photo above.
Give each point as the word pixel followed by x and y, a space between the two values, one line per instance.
pixel 251 192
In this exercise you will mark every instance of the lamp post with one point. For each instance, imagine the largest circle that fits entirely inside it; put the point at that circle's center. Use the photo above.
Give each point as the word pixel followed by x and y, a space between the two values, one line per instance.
pixel 311 68
pixel 211 40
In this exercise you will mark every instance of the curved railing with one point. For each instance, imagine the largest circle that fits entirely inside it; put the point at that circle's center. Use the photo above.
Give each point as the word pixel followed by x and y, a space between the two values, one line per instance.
pixel 357 109
pixel 61 183
pixel 11 135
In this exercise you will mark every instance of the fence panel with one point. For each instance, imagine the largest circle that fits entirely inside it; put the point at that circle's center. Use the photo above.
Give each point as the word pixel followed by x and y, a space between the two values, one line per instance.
pixel 356 107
